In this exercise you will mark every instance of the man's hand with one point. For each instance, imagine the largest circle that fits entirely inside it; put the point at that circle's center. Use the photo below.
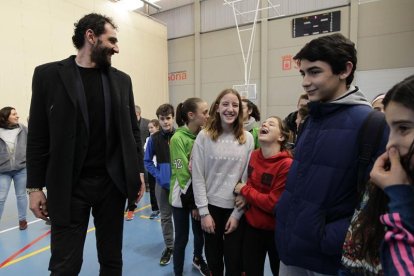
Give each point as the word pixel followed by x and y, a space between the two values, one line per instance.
pixel 140 193
pixel 387 170
pixel 38 205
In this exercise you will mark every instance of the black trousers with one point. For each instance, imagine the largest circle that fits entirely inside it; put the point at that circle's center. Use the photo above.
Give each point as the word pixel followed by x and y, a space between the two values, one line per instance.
pixel 219 245
pixel 153 199
pixel 99 194
pixel 257 243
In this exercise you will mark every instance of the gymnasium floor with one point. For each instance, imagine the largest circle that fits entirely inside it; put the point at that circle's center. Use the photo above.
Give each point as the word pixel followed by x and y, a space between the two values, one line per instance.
pixel 27 252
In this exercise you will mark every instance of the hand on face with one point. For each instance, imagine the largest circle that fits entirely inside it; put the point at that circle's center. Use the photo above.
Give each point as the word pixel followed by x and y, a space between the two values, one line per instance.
pixel 388 171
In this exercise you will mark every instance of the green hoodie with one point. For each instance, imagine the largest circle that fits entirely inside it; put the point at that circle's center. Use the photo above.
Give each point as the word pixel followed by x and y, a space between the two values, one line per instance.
pixel 181 145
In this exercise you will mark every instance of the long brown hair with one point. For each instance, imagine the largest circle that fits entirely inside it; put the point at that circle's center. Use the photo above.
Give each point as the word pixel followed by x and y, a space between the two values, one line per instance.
pixel 370 231
pixel 284 131
pixel 214 128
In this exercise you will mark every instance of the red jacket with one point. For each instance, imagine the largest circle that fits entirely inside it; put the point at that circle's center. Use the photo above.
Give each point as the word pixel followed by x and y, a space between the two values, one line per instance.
pixel 265 184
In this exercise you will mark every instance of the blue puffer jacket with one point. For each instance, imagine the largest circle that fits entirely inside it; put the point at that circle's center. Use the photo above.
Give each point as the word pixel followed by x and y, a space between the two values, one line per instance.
pixel 314 212
pixel 158 145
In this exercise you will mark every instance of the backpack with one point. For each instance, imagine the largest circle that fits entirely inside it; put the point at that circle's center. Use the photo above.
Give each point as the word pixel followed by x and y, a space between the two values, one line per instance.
pixel 369 139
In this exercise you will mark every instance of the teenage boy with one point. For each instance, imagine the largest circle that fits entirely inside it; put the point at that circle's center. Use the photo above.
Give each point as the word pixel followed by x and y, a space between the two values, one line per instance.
pixel 314 212
pixel 158 145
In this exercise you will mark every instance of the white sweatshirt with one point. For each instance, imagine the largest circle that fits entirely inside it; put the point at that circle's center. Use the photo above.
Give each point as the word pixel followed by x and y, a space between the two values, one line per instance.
pixel 216 169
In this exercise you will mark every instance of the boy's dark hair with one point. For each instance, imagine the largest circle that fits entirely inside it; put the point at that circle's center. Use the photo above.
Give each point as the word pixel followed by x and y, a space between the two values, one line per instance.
pixel 189 105
pixel 165 110
pixel 95 22
pixel 155 122
pixel 335 49
pixel 303 96
pixel 255 110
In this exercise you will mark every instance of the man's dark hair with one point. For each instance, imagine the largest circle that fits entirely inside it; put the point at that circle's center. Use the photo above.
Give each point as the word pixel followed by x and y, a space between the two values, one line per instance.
pixel 95 22
pixel 335 49
pixel 165 110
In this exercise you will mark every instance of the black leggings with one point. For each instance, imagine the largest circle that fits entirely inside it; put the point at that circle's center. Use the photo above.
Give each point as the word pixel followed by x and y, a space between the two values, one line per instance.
pixel 153 199
pixel 256 244
pixel 219 245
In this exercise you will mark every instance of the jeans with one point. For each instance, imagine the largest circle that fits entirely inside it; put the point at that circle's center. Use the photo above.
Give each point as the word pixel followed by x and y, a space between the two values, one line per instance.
pixel 288 270
pixel 19 179
pixel 182 224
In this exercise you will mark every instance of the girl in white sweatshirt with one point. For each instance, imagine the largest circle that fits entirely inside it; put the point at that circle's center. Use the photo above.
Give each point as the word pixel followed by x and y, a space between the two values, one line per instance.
pixel 220 160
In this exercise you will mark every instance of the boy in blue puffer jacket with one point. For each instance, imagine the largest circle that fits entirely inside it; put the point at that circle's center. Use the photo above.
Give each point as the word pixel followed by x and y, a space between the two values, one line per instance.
pixel 158 145
pixel 314 212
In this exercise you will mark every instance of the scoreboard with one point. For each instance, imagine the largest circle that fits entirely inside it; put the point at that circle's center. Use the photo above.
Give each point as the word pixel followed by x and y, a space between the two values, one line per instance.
pixel 316 24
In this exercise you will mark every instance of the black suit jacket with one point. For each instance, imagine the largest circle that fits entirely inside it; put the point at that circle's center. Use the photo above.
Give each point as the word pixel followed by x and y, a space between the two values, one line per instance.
pixel 143 128
pixel 59 130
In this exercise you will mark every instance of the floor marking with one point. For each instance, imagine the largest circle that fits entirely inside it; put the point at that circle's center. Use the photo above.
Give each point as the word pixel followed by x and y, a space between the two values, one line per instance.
pixel 16 227
pixel 24 249
pixel 11 260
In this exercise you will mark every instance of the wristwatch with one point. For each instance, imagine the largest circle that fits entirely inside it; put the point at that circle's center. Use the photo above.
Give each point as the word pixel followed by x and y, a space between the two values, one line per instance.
pixel 31 190
pixel 204 215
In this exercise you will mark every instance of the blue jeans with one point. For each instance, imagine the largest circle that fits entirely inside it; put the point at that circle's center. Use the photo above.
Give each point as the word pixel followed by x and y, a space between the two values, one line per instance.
pixel 19 180
pixel 182 224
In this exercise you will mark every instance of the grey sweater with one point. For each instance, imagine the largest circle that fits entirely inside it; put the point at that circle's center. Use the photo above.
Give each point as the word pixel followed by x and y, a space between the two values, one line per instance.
pixel 15 160
pixel 217 166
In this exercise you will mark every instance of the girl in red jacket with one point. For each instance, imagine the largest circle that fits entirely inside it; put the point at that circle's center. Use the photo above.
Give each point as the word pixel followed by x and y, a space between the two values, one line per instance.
pixel 267 172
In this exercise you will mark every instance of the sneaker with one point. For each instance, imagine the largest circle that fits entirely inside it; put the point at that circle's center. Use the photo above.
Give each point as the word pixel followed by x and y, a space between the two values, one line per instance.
pixel 23 224
pixel 154 215
pixel 201 265
pixel 130 215
pixel 166 256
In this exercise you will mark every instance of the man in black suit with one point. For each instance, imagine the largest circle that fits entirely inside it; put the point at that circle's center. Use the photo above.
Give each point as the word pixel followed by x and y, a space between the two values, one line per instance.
pixel 84 146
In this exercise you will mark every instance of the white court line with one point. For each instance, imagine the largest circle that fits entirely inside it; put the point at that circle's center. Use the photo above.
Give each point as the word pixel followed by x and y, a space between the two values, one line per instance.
pixel 17 227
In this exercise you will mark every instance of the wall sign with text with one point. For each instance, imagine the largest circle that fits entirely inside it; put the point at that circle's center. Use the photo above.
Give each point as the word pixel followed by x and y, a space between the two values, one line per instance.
pixel 177 76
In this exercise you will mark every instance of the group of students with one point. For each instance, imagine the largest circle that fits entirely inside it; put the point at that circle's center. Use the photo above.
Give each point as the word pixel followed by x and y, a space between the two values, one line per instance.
pixel 247 196
pixel 305 211
pixel 197 166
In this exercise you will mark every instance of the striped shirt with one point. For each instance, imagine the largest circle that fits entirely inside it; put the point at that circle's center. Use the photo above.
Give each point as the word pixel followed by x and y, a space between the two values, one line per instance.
pixel 397 251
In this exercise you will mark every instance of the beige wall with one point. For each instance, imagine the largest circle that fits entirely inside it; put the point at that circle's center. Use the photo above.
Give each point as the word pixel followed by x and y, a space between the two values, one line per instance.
pixel 36 32
pixel 384 37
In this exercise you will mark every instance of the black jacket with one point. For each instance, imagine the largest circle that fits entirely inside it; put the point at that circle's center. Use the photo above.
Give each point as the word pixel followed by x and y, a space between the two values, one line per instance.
pixel 58 134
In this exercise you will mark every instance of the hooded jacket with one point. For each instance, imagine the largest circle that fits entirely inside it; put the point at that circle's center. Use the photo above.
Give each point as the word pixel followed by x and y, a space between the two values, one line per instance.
pixel 252 126
pixel 314 212
pixel 158 145
pixel 180 151
pixel 16 160
pixel 265 184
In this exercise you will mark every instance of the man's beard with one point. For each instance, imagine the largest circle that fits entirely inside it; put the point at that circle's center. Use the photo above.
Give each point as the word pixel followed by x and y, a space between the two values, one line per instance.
pixel 406 163
pixel 101 56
